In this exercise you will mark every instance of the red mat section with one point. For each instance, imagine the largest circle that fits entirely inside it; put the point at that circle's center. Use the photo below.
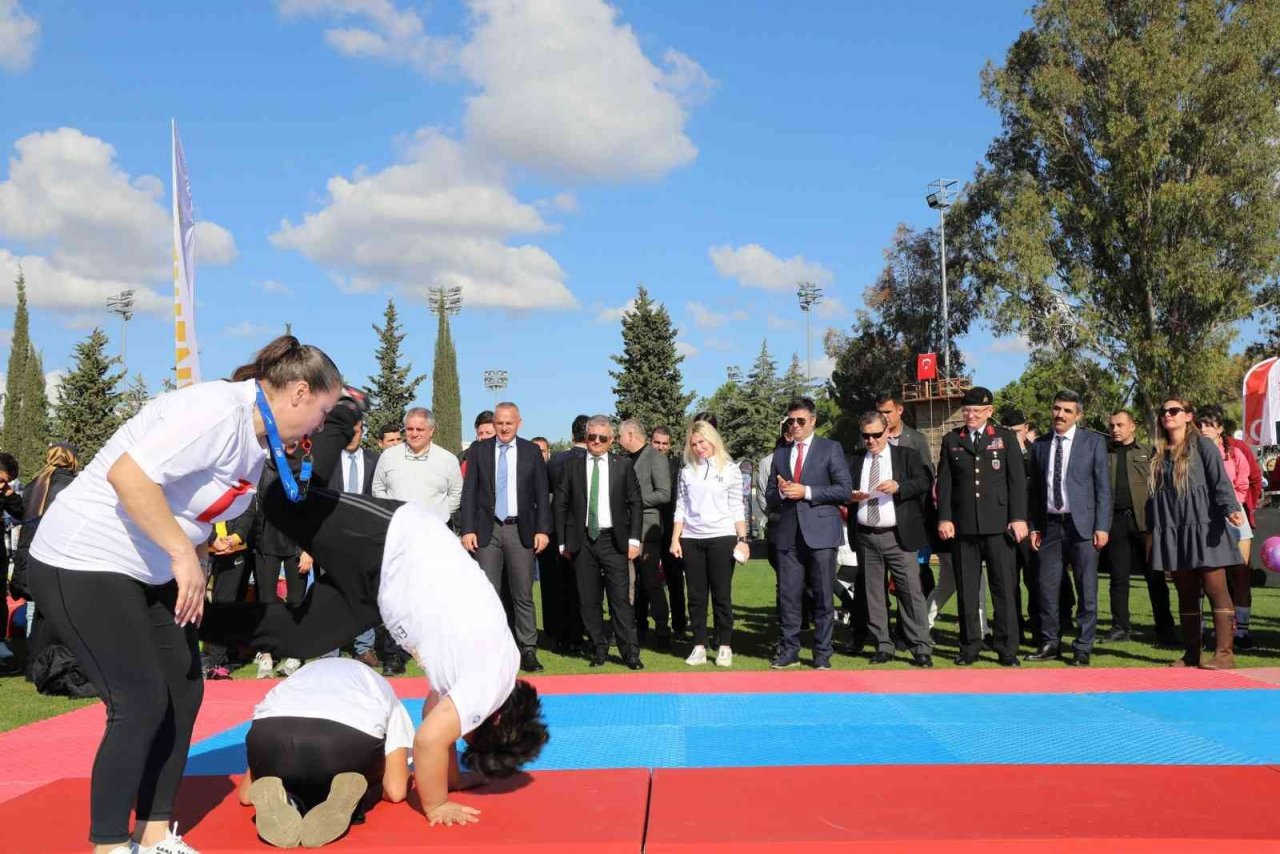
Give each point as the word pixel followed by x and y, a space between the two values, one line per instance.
pixel 547 813
pixel 965 808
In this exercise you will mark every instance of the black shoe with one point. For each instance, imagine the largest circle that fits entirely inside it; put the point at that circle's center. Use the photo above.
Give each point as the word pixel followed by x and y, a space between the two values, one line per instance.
pixel 393 667
pixel 1009 660
pixel 1081 659
pixel 989 640
pixel 882 657
pixel 529 662
pixel 1168 639
pixel 920 659
pixel 633 662
pixel 821 664
pixel 1048 652
pixel 1115 636
pixel 600 658
pixel 662 642
pixel 782 662
pixel 964 659
pixel 855 645
pixel 1245 641
pixel 900 645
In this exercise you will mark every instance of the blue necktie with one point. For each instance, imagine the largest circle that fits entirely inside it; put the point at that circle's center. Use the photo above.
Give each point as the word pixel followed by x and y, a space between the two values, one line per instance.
pixel 353 475
pixel 500 481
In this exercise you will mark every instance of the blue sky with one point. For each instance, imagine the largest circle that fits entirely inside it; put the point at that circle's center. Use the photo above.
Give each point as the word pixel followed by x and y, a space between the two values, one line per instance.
pixel 546 156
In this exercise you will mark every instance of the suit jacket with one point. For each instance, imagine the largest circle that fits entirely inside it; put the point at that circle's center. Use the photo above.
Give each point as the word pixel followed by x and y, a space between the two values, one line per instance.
pixel 654 473
pixel 1138 474
pixel 626 506
pixel 339 477
pixel 914 485
pixel 479 492
pixel 817 520
pixel 913 439
pixel 982 487
pixel 1087 483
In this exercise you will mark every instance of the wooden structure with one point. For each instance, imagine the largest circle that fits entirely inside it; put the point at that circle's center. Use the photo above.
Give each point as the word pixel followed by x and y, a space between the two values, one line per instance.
pixel 934 406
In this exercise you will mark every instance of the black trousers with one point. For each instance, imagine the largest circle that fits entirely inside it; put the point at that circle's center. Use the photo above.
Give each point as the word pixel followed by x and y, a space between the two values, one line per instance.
pixel 673 571
pixel 602 571
pixel 805 572
pixel 651 595
pixel 266 576
pixel 230 583
pixel 708 566
pixel 307 753
pixel 968 553
pixel 1127 553
pixel 561 607
pixel 147 671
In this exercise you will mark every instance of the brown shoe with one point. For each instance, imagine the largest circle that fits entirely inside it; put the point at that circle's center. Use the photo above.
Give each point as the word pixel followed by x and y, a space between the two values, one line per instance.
pixel 329 820
pixel 1224 657
pixel 1190 641
pixel 370 658
pixel 278 820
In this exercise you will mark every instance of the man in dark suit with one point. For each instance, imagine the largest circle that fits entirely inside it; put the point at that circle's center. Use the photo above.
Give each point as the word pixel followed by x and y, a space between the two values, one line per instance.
pixel 506 519
pixel 886 529
pixel 561 609
pixel 599 521
pixel 354 471
pixel 672 566
pixel 811 480
pixel 982 510
pixel 654 474
pixel 1071 521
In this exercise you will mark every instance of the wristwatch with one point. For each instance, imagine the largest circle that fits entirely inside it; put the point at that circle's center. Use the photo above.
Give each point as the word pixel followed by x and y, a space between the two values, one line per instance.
pixel 742 539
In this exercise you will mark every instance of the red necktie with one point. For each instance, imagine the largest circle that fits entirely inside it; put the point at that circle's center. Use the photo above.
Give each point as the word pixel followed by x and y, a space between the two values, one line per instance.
pixel 795 476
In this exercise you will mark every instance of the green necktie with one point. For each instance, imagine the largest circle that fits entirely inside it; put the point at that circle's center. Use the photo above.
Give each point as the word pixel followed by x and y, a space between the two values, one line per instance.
pixel 593 502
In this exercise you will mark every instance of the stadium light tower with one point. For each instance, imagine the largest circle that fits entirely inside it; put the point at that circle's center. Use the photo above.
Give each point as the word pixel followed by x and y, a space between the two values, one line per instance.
pixel 809 295
pixel 122 304
pixel 495 381
pixel 939 199
pixel 447 299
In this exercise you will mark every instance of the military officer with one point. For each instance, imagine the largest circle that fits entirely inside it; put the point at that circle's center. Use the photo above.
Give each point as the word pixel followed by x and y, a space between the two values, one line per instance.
pixel 982 507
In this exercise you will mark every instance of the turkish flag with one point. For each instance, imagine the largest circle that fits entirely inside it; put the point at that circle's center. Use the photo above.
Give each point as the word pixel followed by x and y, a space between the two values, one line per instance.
pixel 927 366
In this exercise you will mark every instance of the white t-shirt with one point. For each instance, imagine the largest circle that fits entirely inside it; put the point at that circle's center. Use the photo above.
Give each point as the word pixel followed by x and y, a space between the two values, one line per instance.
pixel 346 692
pixel 198 443
pixel 438 604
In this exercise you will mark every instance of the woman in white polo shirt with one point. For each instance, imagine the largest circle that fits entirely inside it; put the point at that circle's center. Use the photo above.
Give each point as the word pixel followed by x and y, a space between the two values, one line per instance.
pixel 325 746
pixel 396 563
pixel 117 567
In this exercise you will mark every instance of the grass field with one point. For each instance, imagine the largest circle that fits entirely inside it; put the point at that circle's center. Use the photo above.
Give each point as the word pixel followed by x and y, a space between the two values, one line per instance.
pixel 755 632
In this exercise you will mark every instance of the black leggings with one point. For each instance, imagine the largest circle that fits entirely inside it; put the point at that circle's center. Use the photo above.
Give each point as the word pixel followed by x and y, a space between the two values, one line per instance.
pixel 307 753
pixel 709 563
pixel 147 670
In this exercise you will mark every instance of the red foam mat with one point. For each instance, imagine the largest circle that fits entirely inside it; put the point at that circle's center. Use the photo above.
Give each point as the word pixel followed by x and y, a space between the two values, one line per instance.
pixel 547 813
pixel 965 808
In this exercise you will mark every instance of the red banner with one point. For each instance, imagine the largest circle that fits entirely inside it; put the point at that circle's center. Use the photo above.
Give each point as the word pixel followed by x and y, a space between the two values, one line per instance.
pixel 927 366
pixel 1262 402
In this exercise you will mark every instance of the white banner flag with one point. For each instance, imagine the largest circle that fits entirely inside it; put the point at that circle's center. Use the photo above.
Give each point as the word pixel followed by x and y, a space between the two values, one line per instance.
pixel 1262 402
pixel 186 352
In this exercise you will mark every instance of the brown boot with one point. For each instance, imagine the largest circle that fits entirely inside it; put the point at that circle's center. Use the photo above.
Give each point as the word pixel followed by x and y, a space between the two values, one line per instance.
pixel 1190 640
pixel 1224 628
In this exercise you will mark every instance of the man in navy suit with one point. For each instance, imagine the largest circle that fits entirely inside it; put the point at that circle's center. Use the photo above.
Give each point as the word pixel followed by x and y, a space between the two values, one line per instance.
pixel 1070 518
pixel 808 483
pixel 506 518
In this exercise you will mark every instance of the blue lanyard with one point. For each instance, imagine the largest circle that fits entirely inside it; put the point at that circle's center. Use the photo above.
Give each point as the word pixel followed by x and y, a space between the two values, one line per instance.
pixel 291 486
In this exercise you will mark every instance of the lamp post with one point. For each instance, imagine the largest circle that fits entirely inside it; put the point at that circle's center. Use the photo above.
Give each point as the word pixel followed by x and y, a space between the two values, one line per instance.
pixel 939 199
pixel 448 300
pixel 122 304
pixel 495 381
pixel 809 295
pixel 734 374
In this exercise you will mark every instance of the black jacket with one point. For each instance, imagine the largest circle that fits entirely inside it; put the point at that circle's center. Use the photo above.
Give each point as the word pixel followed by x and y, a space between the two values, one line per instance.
pixel 982 488
pixel 626 505
pixel 533 494
pixel 914 484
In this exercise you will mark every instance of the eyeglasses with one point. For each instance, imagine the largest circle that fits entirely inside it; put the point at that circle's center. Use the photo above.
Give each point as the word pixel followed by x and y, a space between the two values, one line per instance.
pixel 1173 410
pixel 597 437
pixel 798 422
pixel 869 436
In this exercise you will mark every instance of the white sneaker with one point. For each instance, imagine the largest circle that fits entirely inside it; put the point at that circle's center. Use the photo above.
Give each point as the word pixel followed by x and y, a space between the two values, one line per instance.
pixel 698 656
pixel 265 665
pixel 290 666
pixel 724 658
pixel 124 849
pixel 171 844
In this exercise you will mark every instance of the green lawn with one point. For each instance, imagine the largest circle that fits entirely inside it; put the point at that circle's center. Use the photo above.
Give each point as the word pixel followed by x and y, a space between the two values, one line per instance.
pixel 755 632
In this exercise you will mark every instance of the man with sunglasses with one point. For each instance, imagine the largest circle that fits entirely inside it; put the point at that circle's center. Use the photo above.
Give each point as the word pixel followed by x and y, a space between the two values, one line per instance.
pixel 982 507
pixel 809 482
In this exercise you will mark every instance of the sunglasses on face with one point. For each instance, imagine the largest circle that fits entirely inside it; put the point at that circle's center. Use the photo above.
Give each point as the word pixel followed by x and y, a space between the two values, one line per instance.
pixel 596 437
pixel 798 422
pixel 866 437
pixel 1173 410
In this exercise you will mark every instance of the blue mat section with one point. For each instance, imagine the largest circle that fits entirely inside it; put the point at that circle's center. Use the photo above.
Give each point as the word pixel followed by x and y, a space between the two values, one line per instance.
pixel 736 730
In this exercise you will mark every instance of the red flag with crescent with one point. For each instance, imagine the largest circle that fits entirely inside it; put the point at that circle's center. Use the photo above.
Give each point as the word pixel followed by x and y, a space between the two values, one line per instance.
pixel 927 366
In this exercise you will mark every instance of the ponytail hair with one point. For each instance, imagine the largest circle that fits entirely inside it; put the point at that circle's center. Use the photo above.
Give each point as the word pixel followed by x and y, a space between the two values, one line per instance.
pixel 286 360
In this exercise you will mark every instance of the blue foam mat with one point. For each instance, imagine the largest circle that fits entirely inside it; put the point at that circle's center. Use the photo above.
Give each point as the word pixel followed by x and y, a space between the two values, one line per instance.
pixel 590 731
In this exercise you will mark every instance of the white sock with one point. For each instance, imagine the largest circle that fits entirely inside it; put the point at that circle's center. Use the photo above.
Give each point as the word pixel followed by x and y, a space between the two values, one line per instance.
pixel 1242 621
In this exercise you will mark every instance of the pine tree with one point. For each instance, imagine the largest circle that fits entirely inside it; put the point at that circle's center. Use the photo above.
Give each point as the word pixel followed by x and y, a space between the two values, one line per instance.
pixel 19 350
pixel 446 400
pixel 33 421
pixel 87 412
pixel 134 398
pixel 167 384
pixel 750 424
pixel 391 390
pixel 649 385
pixel 793 384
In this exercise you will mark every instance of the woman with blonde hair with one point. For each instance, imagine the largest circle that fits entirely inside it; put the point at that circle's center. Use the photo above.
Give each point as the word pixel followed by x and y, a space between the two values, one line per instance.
pixel 60 466
pixel 1191 504
pixel 710 533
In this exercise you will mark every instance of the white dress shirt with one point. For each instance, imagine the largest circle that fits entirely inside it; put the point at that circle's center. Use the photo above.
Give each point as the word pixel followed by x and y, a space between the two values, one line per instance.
pixel 347 457
pixel 1067 439
pixel 888 514
pixel 512 508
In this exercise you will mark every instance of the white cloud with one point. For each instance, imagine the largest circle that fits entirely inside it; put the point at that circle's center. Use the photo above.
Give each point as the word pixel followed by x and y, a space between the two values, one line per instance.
pixel 565 202
pixel 717 344
pixel 831 307
pixel 775 321
pixel 392 35
pixel 440 218
pixel 272 286
pixel 1018 344
pixel 612 315
pixel 684 348
pixel 90 228
pixel 248 329
pixel 756 267
pixel 53 384
pixel 822 367
pixel 19 34
pixel 705 318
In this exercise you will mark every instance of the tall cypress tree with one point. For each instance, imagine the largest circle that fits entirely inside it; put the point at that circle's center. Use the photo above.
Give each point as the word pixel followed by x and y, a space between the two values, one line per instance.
pixel 19 350
pixel 88 406
pixel 648 385
pixel 446 399
pixel 33 421
pixel 390 390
